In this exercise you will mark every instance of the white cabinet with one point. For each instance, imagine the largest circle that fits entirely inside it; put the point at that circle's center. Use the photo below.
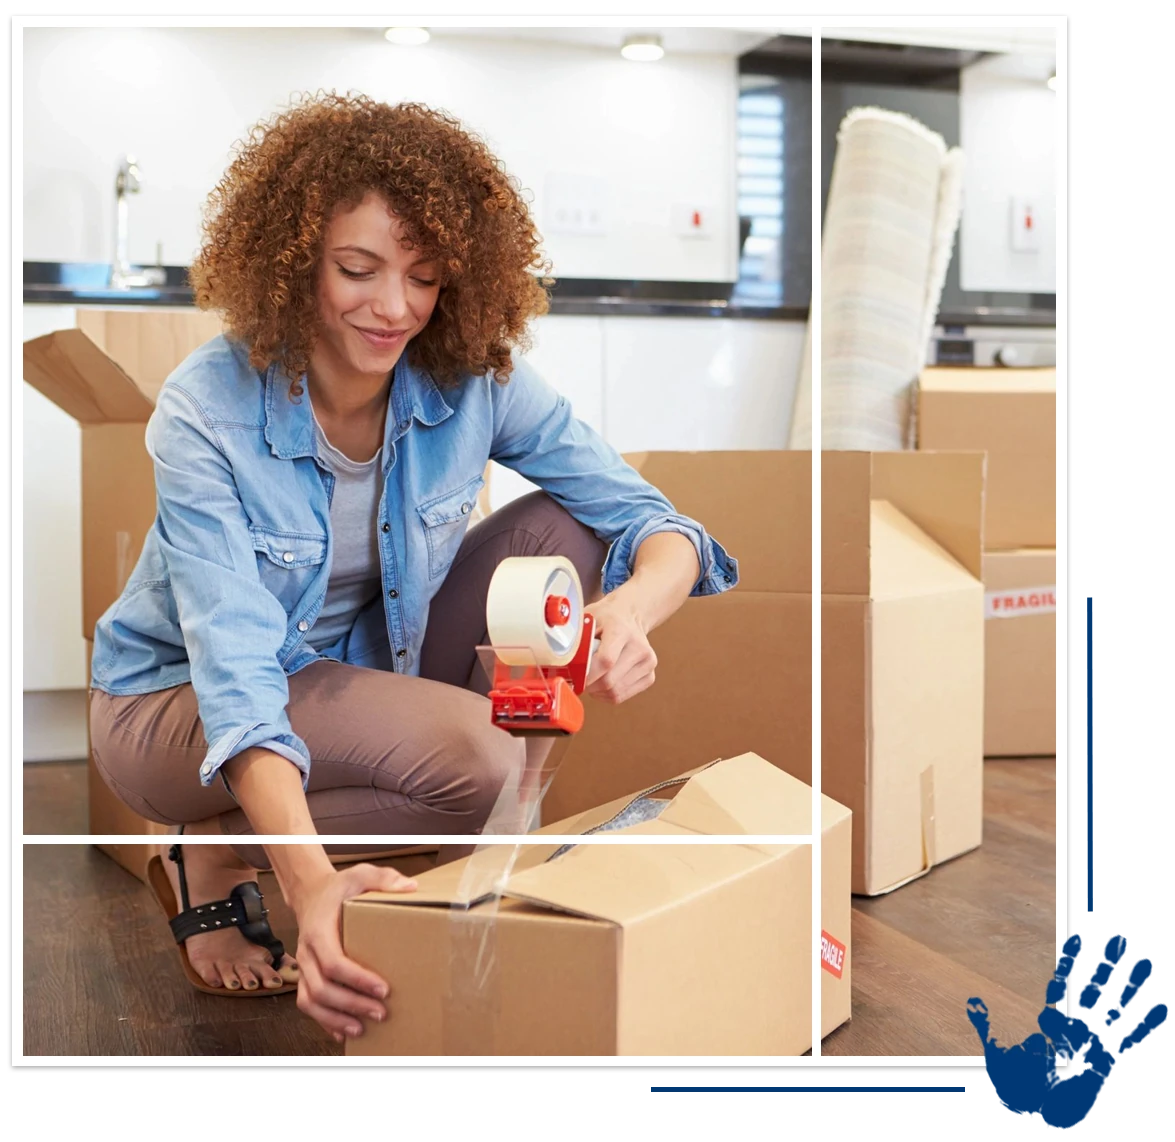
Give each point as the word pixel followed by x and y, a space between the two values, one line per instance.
pixel 54 651
pixel 699 384
pixel 669 383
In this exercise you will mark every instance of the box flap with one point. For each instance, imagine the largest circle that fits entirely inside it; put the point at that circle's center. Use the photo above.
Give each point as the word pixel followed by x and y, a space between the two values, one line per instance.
pixel 942 492
pixel 845 492
pixel 938 379
pixel 906 561
pixel 1027 567
pixel 757 504
pixel 446 884
pixel 623 883
pixel 743 795
pixel 148 344
pixel 737 796
pixel 74 373
pixel 590 819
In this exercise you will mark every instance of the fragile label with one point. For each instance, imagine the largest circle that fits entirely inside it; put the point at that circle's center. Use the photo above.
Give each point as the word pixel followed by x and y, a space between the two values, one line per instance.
pixel 832 954
pixel 1017 601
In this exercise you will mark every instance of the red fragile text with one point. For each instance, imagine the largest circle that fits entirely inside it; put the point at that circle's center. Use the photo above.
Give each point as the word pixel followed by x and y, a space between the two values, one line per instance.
pixel 1015 600
pixel 832 954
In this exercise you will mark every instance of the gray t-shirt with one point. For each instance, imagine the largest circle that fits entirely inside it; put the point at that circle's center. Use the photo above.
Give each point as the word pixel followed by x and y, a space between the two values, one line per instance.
pixel 354 570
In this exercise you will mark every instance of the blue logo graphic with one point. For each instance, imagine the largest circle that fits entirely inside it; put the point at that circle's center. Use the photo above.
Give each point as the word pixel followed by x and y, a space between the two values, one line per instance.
pixel 1116 1040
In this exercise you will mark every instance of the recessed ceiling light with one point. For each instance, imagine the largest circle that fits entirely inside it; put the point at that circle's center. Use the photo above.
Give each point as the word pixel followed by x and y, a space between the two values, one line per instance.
pixel 407 37
pixel 643 49
pixel 1052 82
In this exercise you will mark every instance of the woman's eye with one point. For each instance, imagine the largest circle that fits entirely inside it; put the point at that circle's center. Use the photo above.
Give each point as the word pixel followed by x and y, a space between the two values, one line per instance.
pixel 427 283
pixel 354 273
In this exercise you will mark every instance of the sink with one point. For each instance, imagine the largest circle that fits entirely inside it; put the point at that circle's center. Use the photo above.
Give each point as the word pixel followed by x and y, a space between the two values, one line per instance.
pixel 88 283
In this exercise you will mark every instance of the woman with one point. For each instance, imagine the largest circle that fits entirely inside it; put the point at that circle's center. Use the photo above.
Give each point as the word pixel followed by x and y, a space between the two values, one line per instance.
pixel 294 652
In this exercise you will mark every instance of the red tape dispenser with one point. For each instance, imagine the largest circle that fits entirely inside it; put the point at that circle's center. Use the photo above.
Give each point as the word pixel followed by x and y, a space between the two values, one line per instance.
pixel 542 644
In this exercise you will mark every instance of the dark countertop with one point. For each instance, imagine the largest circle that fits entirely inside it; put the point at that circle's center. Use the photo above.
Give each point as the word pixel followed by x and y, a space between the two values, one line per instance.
pixel 85 283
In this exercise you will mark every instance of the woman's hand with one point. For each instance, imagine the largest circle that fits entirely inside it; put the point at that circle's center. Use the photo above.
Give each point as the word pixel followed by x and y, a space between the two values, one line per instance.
pixel 334 990
pixel 664 572
pixel 624 663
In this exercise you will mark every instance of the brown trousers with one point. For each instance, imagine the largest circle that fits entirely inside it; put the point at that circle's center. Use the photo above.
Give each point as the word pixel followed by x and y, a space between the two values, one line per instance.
pixel 390 754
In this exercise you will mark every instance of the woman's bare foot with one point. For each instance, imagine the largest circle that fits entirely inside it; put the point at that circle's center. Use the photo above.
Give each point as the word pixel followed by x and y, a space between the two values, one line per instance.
pixel 224 959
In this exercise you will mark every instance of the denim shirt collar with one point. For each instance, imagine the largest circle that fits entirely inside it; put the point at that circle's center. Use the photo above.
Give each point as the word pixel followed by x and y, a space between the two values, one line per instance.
pixel 289 424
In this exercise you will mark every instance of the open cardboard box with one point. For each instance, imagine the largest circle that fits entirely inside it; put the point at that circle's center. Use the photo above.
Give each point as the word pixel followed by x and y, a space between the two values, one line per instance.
pixel 1011 414
pixel 902 611
pixel 902 667
pixel 642 949
pixel 734 671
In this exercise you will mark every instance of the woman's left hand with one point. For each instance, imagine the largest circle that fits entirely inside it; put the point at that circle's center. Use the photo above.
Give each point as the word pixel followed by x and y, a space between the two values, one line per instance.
pixel 624 663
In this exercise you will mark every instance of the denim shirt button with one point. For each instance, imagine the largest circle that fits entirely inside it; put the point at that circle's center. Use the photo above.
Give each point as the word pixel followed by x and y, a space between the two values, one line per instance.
pixel 401 652
pixel 288 557
pixel 303 625
pixel 466 507
pixel 206 768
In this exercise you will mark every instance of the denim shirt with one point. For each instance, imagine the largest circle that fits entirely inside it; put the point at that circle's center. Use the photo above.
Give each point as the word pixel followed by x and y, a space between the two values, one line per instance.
pixel 234 570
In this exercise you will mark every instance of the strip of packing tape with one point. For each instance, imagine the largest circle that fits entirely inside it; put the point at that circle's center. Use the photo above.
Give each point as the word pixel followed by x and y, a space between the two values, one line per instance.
pixel 473 999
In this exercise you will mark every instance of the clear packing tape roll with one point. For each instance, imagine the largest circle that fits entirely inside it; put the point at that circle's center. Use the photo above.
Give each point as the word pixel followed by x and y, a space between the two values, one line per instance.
pixel 517 611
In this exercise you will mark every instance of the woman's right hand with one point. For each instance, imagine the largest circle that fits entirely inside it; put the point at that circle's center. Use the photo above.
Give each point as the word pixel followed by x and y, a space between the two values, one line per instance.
pixel 334 990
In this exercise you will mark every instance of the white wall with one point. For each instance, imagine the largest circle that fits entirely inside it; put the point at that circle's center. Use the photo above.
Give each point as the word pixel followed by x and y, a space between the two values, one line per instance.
pixel 657 134
pixel 1008 132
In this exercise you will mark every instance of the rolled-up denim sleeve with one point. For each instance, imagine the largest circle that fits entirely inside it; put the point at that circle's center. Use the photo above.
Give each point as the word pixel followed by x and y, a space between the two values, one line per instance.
pixel 537 435
pixel 233 627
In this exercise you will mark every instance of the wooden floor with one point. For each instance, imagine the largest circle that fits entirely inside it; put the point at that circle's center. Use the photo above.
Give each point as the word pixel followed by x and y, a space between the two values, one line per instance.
pixel 102 976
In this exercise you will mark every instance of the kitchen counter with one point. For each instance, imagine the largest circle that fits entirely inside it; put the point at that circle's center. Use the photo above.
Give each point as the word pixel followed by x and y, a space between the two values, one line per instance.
pixel 86 283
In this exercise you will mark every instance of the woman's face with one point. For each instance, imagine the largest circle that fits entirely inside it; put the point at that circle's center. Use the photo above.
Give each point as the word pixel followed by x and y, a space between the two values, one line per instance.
pixel 375 293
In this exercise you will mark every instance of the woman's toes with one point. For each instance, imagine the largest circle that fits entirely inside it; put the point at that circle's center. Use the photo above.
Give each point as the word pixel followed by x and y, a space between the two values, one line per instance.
pixel 246 976
pixel 209 974
pixel 269 978
pixel 228 975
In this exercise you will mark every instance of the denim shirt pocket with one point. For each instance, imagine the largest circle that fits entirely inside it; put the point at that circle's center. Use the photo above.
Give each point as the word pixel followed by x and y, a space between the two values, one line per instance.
pixel 287 561
pixel 445 519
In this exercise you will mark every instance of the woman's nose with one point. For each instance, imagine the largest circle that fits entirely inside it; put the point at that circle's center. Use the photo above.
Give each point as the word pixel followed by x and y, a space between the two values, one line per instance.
pixel 391 300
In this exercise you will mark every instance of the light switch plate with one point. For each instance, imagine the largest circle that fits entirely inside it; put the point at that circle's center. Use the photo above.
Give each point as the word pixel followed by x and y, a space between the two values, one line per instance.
pixel 575 204
pixel 1026 224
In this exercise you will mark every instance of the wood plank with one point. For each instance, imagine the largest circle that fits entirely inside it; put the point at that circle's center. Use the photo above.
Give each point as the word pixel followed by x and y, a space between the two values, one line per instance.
pixel 55 798
pixel 908 1000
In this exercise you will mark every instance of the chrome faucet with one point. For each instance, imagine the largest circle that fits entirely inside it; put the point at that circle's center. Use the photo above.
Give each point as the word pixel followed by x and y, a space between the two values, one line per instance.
pixel 122 274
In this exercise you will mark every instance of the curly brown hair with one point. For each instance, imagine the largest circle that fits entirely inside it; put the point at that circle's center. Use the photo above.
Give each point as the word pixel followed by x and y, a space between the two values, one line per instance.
pixel 266 221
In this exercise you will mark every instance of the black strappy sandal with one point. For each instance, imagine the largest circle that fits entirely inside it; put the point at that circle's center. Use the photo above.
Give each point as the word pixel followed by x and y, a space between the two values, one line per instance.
pixel 244 909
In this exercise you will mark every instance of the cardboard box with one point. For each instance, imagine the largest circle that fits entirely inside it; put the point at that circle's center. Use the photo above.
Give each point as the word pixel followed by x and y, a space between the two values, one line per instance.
pixel 106 374
pixel 620 949
pixel 902 667
pixel 734 671
pixel 1020 711
pixel 1011 414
